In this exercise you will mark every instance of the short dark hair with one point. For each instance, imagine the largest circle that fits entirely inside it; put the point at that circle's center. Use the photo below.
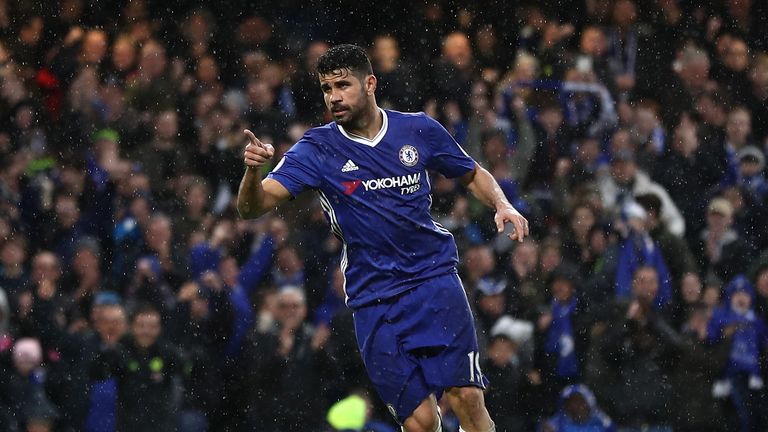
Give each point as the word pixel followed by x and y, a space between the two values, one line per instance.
pixel 650 202
pixel 345 56
pixel 145 309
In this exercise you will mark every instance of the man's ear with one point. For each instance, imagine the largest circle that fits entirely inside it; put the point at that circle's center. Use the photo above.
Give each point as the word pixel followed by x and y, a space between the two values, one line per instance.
pixel 370 84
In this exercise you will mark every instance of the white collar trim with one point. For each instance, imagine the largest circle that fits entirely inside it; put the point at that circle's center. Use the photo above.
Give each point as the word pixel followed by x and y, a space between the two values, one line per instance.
pixel 369 142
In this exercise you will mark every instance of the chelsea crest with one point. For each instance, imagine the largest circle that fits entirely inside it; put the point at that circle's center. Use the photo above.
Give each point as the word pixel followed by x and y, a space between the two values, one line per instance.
pixel 409 155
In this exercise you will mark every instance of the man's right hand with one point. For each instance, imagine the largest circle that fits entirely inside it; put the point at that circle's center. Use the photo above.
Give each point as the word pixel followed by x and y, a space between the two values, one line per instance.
pixel 256 152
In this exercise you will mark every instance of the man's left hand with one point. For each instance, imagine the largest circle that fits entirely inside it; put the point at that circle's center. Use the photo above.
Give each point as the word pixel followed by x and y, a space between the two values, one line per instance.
pixel 509 215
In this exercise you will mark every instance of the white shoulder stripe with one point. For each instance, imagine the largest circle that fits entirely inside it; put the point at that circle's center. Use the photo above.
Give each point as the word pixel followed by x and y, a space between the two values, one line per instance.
pixel 279 164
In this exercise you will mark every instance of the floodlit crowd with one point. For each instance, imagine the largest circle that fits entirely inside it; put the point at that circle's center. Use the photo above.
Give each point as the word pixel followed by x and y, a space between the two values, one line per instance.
pixel 632 135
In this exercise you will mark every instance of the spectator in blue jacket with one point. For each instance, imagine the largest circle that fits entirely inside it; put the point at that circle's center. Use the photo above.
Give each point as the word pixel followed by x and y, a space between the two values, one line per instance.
pixel 639 249
pixel 742 381
pixel 578 412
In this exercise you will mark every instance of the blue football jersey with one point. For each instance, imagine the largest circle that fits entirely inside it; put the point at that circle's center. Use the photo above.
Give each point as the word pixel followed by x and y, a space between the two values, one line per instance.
pixel 376 196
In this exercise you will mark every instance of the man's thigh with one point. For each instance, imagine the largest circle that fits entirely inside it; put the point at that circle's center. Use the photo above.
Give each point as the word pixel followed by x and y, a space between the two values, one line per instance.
pixel 420 343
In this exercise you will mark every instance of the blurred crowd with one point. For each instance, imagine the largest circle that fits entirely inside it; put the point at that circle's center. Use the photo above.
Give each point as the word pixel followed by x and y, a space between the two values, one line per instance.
pixel 631 133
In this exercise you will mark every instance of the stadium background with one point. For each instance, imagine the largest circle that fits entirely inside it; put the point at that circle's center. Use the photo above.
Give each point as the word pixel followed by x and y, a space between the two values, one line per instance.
pixel 632 134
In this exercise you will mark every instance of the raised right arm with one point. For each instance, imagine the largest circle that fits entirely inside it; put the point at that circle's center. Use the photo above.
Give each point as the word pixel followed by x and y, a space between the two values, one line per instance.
pixel 257 196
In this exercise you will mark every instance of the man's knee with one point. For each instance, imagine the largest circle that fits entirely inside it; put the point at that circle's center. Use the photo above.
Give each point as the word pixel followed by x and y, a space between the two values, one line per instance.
pixel 470 398
pixel 418 424
pixel 425 418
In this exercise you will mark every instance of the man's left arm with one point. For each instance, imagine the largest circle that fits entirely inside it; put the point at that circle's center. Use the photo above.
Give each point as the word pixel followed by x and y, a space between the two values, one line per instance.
pixel 485 188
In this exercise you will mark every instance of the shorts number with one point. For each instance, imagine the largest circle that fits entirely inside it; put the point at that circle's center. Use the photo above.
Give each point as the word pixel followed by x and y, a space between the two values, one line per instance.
pixel 475 374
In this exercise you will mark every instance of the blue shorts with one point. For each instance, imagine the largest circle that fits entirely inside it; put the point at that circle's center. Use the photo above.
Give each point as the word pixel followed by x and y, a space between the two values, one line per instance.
pixel 419 343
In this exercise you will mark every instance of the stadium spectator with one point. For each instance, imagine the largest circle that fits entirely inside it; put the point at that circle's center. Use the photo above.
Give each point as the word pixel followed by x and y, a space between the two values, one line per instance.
pixel 202 326
pixel 508 400
pixel 674 250
pixel 761 292
pixel 720 250
pixel 640 344
pixel 741 380
pixel 578 410
pixel 638 249
pixel 398 83
pixel 286 366
pixel 146 370
pixel 561 334
pixel 626 181
pixel 691 68
pixel 13 254
pixel 454 71
pixel 25 387
pixel 689 171
pixel 695 373
pixel 758 95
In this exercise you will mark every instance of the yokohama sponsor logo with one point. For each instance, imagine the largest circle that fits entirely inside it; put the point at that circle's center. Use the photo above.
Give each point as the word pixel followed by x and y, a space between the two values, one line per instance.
pixel 392 182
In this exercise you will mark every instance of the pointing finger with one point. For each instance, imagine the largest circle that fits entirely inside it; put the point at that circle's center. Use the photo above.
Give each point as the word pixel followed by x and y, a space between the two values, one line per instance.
pixel 252 138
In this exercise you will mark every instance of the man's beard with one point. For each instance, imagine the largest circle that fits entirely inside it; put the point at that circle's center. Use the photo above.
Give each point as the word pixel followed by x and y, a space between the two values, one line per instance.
pixel 351 117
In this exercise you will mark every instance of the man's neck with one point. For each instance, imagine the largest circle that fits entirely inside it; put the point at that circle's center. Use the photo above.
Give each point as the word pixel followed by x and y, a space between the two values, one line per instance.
pixel 369 125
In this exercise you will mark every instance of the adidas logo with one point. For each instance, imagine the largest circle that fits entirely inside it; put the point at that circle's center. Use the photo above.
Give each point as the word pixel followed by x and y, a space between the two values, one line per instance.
pixel 349 166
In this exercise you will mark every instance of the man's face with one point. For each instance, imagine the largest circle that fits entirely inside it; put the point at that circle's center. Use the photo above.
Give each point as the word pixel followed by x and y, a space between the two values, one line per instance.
pixel 749 168
pixel 583 220
pixel 717 221
pixel 146 329
pixel 45 266
pixel 36 425
pixel 291 310
pixel 761 284
pixel 695 72
pixel 495 150
pixel 593 42
pixel 741 301
pixel 67 211
pixel 738 126
pixel 25 365
pixel 95 46
pixel 458 50
pixel 526 254
pixel 110 323
pixel 623 171
pixel 577 408
pixel 646 120
pixel 85 261
pixel 385 49
pixel 624 13
pixel 562 290
pixel 158 233
pixel 346 95
pixel 759 73
pixel 12 254
pixel 691 288
pixel 501 351
pixel 737 56
pixel 481 260
pixel 645 285
pixel 123 55
pixel 551 118
pixel 492 305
